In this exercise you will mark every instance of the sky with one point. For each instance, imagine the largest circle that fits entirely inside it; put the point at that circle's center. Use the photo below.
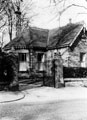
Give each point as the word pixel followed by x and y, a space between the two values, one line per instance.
pixel 46 15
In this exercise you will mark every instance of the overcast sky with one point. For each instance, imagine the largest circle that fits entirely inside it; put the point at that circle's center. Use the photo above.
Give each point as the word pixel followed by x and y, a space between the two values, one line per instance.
pixel 47 15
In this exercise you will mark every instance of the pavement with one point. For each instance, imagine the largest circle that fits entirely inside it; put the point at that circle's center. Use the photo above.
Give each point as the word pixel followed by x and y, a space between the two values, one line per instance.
pixel 7 96
pixel 44 94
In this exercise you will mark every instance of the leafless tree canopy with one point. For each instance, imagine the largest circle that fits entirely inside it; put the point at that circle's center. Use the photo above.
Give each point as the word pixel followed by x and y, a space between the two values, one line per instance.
pixel 8 16
pixel 62 6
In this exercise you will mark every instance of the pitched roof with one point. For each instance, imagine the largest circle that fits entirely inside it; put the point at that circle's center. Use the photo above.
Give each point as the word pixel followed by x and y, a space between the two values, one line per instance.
pixel 64 36
pixel 43 38
pixel 38 37
pixel 19 42
pixel 35 37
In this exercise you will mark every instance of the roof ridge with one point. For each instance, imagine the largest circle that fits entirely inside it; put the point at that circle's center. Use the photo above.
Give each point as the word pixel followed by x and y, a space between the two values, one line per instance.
pixel 37 28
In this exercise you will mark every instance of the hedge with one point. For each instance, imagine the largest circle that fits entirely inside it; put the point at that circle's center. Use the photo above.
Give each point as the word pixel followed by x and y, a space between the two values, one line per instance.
pixel 74 72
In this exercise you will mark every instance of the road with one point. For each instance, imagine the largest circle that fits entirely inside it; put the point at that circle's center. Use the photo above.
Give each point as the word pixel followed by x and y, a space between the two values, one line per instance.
pixel 62 110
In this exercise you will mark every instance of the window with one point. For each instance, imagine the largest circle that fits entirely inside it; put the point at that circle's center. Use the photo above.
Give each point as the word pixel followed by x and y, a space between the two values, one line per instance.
pixel 22 57
pixel 83 59
pixel 40 55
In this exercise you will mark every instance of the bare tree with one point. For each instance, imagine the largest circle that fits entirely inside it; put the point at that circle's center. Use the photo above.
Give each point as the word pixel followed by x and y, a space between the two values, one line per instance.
pixel 61 6
pixel 27 14
pixel 3 33
pixel 24 15
pixel 14 16
pixel 7 15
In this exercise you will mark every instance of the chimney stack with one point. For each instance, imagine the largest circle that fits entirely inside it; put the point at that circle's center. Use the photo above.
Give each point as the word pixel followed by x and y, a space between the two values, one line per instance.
pixel 70 20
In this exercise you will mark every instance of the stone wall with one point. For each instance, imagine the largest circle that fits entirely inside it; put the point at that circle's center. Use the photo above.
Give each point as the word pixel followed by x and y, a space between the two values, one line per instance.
pixel 55 69
pixel 74 60
pixel 71 58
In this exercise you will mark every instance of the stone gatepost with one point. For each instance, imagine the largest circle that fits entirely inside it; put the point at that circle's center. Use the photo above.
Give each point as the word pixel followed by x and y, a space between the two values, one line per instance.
pixel 58 71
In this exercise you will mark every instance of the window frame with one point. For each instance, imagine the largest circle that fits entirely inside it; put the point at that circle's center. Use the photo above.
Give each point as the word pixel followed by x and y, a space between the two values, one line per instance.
pixel 22 57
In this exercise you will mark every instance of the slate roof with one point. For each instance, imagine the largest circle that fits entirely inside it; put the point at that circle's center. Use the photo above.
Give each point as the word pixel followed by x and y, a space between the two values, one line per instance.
pixel 34 38
pixel 48 39
pixel 64 36
pixel 19 42
pixel 38 38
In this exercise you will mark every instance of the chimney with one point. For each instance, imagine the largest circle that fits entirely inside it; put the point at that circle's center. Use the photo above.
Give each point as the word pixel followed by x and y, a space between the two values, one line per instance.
pixel 70 20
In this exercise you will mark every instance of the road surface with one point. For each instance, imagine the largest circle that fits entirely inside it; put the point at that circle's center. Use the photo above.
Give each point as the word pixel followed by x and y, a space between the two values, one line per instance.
pixel 55 110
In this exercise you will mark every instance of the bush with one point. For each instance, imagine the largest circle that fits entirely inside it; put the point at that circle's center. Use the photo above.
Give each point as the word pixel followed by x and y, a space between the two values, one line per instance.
pixel 8 69
pixel 74 72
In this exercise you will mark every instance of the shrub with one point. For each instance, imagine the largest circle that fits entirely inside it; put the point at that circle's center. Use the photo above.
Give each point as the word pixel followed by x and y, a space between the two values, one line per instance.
pixel 74 72
pixel 9 69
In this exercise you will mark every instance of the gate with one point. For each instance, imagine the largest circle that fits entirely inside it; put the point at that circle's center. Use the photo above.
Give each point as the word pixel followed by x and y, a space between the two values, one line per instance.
pixel 49 72
pixel 53 73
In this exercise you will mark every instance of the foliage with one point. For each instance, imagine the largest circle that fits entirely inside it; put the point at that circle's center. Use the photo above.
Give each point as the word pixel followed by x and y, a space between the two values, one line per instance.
pixel 74 72
pixel 9 69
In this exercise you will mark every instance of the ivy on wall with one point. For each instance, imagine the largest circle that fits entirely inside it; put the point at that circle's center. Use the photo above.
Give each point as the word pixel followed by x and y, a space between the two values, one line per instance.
pixel 9 71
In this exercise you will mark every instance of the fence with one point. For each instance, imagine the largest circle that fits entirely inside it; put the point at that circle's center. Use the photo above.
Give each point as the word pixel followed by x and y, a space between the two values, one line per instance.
pixel 51 72
pixel 48 72
pixel 41 71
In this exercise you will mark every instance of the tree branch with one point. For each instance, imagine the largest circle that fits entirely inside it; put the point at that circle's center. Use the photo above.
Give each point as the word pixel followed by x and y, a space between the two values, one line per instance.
pixel 2 25
pixel 56 1
pixel 81 13
pixel 72 5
